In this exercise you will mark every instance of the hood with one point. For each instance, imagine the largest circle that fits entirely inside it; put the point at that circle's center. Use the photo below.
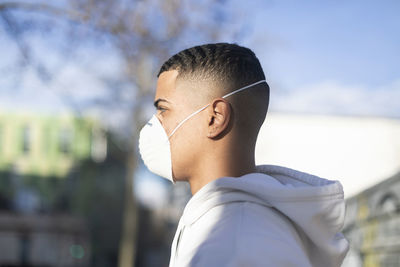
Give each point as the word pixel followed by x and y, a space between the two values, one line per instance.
pixel 315 206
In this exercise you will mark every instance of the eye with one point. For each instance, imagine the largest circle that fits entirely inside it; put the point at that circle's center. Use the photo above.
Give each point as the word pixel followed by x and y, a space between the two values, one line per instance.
pixel 161 109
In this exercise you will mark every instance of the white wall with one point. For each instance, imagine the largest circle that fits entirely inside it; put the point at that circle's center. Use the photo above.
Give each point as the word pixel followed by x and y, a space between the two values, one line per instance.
pixel 357 151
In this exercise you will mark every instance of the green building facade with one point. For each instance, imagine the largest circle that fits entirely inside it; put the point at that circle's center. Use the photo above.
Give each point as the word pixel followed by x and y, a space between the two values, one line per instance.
pixel 46 145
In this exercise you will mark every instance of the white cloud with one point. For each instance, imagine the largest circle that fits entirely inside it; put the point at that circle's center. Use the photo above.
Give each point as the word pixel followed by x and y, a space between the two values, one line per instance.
pixel 331 97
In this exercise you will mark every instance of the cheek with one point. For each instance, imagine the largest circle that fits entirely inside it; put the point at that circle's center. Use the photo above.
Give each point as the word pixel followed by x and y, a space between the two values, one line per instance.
pixel 185 144
pixel 166 124
pixel 170 120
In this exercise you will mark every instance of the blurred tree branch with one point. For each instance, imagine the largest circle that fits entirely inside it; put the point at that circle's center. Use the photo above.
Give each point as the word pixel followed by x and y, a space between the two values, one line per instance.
pixel 42 7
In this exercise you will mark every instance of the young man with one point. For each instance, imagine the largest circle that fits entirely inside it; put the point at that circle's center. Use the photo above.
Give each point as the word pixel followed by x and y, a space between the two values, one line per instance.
pixel 211 101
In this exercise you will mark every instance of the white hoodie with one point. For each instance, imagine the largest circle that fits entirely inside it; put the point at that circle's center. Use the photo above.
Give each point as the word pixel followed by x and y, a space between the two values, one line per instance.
pixel 275 217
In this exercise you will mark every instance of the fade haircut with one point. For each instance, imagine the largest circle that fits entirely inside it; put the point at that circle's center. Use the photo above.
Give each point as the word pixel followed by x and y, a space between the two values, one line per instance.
pixel 230 67
pixel 230 64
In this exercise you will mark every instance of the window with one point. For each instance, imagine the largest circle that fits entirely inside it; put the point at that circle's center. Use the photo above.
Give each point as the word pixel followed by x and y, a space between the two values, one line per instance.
pixel 26 139
pixel 388 203
pixel 65 141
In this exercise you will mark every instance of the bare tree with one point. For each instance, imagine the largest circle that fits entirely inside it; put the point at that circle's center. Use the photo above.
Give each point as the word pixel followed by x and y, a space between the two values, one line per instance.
pixel 143 34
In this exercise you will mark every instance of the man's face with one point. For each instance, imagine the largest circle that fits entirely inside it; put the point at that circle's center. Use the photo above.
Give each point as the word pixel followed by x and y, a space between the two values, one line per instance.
pixel 173 106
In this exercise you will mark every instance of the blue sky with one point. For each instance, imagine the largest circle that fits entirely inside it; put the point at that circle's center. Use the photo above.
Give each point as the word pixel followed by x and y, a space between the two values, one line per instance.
pixel 352 41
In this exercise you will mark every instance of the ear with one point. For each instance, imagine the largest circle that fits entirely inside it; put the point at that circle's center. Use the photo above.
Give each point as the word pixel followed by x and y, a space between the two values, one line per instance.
pixel 219 116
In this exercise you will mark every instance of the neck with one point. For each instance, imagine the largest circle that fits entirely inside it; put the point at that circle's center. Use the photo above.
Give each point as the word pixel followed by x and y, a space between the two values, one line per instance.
pixel 233 163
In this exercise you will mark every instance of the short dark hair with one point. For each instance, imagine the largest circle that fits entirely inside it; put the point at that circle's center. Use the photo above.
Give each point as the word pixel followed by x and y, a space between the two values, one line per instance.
pixel 231 64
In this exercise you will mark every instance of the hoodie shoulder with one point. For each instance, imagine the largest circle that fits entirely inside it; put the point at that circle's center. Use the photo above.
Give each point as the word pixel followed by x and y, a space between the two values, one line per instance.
pixel 250 235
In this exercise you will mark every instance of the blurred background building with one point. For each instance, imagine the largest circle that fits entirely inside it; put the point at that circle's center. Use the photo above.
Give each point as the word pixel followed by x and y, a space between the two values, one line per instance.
pixel 40 157
pixel 373 225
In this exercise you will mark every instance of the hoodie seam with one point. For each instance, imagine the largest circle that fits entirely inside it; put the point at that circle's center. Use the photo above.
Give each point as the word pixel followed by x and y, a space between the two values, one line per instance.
pixel 302 178
pixel 322 198
pixel 344 218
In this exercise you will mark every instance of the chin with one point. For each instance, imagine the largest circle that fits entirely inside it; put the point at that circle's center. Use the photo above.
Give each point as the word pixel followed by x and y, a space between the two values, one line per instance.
pixel 180 178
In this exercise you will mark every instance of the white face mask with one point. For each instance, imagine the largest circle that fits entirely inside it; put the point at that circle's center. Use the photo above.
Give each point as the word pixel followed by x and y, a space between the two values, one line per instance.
pixel 154 145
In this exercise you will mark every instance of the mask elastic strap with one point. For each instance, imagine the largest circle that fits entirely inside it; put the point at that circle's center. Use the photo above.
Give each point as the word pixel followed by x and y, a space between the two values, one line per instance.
pixel 243 88
pixel 201 109
pixel 182 122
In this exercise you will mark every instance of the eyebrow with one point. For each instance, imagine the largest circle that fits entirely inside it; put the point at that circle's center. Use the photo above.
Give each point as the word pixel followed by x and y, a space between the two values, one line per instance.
pixel 160 100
